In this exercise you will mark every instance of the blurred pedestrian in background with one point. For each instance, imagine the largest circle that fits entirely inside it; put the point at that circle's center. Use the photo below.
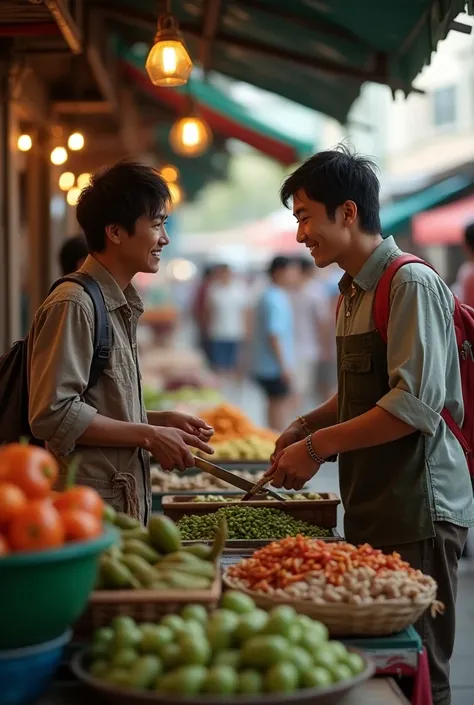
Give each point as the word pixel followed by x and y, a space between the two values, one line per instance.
pixel 72 254
pixel 309 314
pixel 226 310
pixel 273 346
pixel 199 308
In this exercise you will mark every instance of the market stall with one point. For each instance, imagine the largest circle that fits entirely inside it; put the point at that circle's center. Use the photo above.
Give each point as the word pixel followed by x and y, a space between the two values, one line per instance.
pixel 220 597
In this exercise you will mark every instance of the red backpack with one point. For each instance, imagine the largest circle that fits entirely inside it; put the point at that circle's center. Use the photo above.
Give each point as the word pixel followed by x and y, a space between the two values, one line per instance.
pixel 464 327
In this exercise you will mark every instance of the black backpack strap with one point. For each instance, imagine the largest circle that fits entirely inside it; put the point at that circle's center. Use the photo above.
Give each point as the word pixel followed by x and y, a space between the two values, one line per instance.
pixel 102 335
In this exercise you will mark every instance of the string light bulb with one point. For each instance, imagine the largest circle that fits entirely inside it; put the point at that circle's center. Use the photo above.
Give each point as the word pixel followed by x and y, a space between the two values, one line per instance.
pixel 83 180
pixel 58 156
pixel 24 143
pixel 169 173
pixel 66 180
pixel 76 141
pixel 168 62
pixel 73 195
pixel 190 136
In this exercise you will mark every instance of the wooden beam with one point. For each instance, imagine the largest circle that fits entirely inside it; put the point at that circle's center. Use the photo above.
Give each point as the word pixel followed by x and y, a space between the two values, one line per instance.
pixel 82 107
pixel 67 25
pixel 460 27
pixel 102 73
pixel 210 23
pixel 148 20
pixel 29 29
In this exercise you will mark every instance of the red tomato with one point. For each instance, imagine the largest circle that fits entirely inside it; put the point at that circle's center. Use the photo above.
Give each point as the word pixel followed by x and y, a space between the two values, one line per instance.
pixel 12 501
pixel 80 497
pixel 80 525
pixel 37 527
pixel 3 546
pixel 33 469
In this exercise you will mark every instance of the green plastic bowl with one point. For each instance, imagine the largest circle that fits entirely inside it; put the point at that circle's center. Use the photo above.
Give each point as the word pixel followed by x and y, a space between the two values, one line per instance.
pixel 44 593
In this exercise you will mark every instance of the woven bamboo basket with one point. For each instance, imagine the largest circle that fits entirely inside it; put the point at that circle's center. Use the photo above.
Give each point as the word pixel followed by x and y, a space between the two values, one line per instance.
pixel 342 619
pixel 142 605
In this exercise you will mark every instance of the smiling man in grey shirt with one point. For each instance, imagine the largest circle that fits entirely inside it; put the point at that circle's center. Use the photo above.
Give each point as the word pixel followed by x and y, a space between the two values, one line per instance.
pixel 404 479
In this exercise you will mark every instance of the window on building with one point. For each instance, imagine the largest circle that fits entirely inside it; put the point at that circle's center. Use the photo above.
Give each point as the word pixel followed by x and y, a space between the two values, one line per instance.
pixel 445 106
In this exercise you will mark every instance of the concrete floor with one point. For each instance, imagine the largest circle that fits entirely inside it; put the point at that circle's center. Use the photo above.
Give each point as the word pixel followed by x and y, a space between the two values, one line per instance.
pixel 462 664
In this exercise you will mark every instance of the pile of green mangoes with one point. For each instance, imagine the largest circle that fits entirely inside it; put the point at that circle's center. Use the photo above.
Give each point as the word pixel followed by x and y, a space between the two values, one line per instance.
pixel 237 649
pixel 153 558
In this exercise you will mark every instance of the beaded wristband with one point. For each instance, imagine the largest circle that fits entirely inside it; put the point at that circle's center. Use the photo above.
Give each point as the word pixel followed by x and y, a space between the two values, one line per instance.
pixel 312 453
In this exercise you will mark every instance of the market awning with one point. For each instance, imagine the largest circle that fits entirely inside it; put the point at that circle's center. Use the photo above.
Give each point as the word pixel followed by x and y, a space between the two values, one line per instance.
pixel 224 115
pixel 397 216
pixel 317 53
pixel 444 225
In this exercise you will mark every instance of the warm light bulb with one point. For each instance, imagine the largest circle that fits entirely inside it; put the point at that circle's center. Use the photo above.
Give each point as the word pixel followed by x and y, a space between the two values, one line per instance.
pixel 170 60
pixel 73 196
pixel 176 194
pixel 58 156
pixel 25 143
pixel 169 173
pixel 190 136
pixel 76 141
pixel 83 180
pixel 66 180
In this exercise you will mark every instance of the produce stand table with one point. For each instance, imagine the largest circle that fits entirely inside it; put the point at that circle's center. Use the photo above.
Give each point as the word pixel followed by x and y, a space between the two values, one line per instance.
pixel 378 691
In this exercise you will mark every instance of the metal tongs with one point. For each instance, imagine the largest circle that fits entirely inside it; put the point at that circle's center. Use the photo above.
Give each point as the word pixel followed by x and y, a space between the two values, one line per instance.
pixel 250 488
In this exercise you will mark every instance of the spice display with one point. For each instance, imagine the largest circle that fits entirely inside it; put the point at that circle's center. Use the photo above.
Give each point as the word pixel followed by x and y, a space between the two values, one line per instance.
pixel 246 523
pixel 154 558
pixel 236 650
pixel 172 482
pixel 307 569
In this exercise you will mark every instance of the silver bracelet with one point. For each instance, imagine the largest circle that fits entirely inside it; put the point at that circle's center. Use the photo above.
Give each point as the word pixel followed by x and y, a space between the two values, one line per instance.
pixel 312 453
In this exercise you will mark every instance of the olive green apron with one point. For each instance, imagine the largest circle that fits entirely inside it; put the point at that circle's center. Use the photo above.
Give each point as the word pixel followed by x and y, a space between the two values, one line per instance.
pixel 384 489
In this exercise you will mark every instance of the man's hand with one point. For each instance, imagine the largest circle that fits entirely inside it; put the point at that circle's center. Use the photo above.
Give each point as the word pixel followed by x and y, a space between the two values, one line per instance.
pixel 293 467
pixel 294 433
pixel 184 422
pixel 169 447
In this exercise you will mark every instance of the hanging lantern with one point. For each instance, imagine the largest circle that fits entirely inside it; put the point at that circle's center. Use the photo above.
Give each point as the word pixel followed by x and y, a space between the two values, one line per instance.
pixel 190 136
pixel 169 173
pixel 168 63
pixel 76 141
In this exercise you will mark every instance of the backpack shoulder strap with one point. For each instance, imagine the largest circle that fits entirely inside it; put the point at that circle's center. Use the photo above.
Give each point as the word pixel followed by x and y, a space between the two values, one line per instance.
pixel 381 309
pixel 102 340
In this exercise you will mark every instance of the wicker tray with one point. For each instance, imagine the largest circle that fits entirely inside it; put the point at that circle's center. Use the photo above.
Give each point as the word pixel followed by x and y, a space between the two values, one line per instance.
pixel 322 512
pixel 376 619
pixel 309 696
pixel 142 605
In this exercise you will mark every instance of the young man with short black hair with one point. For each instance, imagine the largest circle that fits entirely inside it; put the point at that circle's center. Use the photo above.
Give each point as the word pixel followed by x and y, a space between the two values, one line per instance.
pixel 403 475
pixel 123 214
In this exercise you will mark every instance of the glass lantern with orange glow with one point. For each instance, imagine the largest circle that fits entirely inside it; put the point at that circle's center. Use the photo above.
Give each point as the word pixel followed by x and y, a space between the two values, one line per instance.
pixel 190 136
pixel 168 63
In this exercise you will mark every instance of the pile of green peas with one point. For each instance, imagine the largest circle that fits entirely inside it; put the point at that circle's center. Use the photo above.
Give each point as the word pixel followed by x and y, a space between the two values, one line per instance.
pixel 247 523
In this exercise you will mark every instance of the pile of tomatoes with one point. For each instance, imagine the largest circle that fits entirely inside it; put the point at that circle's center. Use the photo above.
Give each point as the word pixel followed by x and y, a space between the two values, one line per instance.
pixel 33 517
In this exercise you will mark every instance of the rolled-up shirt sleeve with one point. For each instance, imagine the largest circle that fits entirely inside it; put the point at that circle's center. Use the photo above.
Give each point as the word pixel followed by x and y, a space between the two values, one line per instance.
pixel 417 356
pixel 60 355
